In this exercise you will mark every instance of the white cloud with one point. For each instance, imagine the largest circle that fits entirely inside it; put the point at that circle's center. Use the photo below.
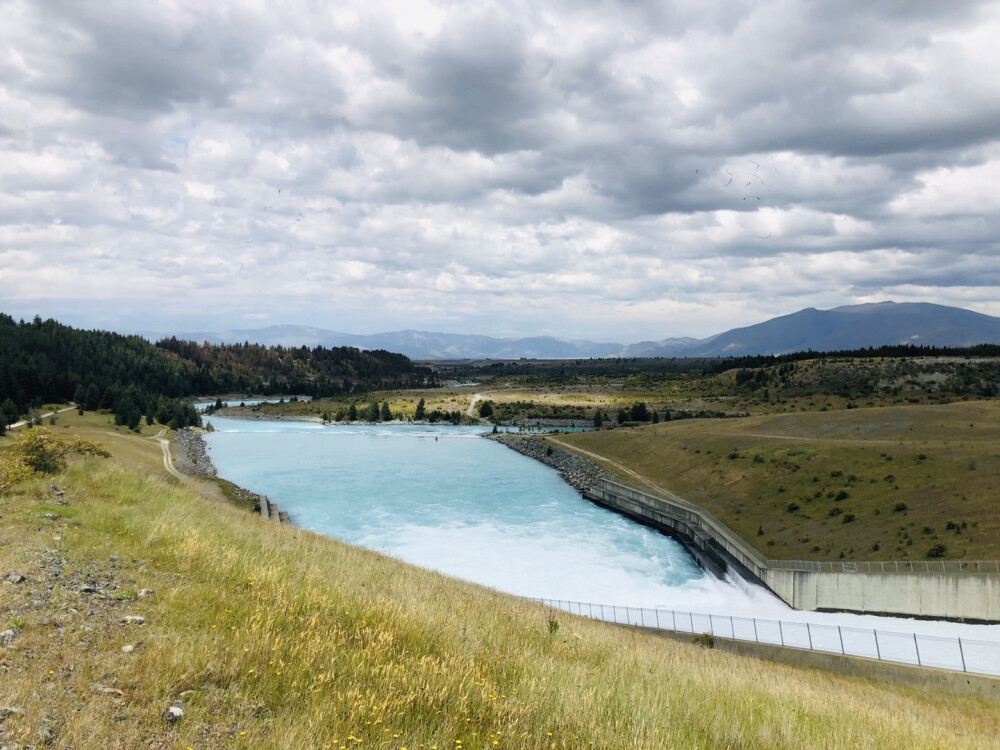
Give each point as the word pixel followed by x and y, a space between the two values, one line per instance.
pixel 622 172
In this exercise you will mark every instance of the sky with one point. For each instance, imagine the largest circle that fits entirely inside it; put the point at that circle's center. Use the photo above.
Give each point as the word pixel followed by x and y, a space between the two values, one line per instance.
pixel 589 170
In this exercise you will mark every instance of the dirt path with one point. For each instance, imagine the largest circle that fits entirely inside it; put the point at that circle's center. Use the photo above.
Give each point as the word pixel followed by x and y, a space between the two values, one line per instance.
pixel 168 462
pixel 476 398
pixel 23 422
pixel 804 439
pixel 635 475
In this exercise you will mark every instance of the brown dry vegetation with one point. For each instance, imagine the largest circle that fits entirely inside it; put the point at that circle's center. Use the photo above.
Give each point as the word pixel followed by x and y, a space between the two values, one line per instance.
pixel 274 637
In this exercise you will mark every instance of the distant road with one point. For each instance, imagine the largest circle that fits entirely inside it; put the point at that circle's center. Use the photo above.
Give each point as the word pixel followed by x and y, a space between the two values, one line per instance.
pixel 23 422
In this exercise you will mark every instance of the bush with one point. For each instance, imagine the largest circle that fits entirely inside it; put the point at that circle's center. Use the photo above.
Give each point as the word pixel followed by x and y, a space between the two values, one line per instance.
pixel 899 508
pixel 705 639
pixel 41 452
pixel 938 550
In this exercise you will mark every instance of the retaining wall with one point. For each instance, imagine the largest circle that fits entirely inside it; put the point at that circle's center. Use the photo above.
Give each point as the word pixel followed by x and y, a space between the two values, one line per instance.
pixel 954 594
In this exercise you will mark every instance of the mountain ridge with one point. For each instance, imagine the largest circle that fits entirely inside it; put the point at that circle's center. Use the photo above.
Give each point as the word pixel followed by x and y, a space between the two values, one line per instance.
pixel 841 328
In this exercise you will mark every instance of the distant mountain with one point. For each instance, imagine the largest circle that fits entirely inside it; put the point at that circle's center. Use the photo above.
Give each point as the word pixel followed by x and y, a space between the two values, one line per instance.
pixel 417 345
pixel 661 348
pixel 851 327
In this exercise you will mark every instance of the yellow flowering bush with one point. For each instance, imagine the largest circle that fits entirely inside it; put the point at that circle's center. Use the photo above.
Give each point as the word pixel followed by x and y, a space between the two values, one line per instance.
pixel 40 452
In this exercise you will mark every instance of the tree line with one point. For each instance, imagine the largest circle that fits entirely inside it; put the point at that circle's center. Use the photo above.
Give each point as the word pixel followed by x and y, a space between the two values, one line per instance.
pixel 48 362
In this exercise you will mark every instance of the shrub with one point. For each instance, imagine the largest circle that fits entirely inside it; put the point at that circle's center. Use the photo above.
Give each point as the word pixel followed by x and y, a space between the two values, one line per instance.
pixel 705 639
pixel 899 508
pixel 792 507
pixel 938 550
pixel 835 512
pixel 41 452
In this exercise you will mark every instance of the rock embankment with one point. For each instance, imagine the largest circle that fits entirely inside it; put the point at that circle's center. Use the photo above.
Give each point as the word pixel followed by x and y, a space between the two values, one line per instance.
pixel 577 471
pixel 193 457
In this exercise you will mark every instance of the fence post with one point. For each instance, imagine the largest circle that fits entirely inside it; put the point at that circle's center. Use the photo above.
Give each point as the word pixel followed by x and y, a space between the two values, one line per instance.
pixel 917 647
pixel 691 618
pixel 732 628
pixel 755 638
pixel 840 634
pixel 809 633
pixel 961 653
pixel 673 617
pixel 657 618
pixel 781 633
pixel 878 652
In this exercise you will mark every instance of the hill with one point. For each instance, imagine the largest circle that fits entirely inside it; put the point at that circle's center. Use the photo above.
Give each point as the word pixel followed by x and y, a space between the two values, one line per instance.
pixel 264 635
pixel 418 345
pixel 840 329
pixel 48 362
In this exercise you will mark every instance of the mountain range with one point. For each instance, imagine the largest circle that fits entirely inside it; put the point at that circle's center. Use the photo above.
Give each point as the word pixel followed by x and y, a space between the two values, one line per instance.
pixel 841 328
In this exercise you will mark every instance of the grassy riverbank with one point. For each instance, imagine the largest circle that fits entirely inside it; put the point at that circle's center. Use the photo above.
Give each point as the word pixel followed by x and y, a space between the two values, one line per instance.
pixel 894 483
pixel 270 636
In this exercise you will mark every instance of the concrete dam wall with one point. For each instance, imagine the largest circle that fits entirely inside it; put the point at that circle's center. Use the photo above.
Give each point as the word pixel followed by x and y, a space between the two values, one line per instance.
pixel 937 589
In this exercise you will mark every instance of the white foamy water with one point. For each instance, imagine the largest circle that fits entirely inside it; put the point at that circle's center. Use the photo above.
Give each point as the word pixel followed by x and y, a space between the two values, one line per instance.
pixel 446 499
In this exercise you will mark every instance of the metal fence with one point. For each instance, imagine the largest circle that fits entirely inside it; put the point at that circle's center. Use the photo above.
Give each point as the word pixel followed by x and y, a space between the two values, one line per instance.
pixel 962 654
pixel 954 567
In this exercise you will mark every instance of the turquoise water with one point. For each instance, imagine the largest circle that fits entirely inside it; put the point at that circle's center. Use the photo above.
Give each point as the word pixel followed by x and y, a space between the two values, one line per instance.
pixel 447 499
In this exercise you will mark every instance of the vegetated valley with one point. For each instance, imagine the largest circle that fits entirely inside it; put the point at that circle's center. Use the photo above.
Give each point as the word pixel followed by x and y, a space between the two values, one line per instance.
pixel 141 611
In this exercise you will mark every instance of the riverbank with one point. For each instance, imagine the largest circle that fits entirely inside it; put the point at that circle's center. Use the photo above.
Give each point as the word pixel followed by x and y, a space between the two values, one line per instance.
pixel 249 634
pixel 193 459
pixel 575 470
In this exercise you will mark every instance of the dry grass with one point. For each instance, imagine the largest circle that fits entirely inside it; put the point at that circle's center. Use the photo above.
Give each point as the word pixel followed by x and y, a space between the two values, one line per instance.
pixel 275 637
pixel 798 477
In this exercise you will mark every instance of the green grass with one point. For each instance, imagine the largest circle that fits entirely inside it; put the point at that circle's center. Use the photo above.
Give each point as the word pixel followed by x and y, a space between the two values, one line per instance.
pixel 798 478
pixel 274 637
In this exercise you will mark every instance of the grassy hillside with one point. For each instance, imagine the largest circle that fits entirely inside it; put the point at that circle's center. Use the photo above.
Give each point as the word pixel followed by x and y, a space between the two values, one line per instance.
pixel 269 636
pixel 893 483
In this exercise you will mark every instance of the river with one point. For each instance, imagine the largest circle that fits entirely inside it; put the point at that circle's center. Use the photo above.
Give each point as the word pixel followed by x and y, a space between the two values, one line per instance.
pixel 446 499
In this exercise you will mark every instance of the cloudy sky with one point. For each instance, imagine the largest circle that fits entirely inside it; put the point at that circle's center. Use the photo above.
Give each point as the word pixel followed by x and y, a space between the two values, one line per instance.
pixel 612 171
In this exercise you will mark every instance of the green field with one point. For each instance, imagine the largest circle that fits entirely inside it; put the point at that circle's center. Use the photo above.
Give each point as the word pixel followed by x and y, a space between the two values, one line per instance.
pixel 272 637
pixel 891 483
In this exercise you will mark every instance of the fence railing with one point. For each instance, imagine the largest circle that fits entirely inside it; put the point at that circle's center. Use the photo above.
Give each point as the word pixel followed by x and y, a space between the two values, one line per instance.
pixel 961 654
pixel 682 509
pixel 890 566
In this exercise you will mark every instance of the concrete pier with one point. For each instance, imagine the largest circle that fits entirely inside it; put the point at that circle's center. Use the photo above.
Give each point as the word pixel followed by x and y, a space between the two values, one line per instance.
pixel 270 511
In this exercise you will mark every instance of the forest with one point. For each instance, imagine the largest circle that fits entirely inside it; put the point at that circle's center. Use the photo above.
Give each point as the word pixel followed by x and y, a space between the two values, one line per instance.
pixel 48 362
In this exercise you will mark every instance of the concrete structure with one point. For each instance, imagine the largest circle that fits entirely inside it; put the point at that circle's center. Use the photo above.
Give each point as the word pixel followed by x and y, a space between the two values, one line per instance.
pixel 940 590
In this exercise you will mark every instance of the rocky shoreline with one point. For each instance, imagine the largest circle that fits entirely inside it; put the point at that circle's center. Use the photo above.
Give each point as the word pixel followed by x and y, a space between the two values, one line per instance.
pixel 578 472
pixel 193 460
